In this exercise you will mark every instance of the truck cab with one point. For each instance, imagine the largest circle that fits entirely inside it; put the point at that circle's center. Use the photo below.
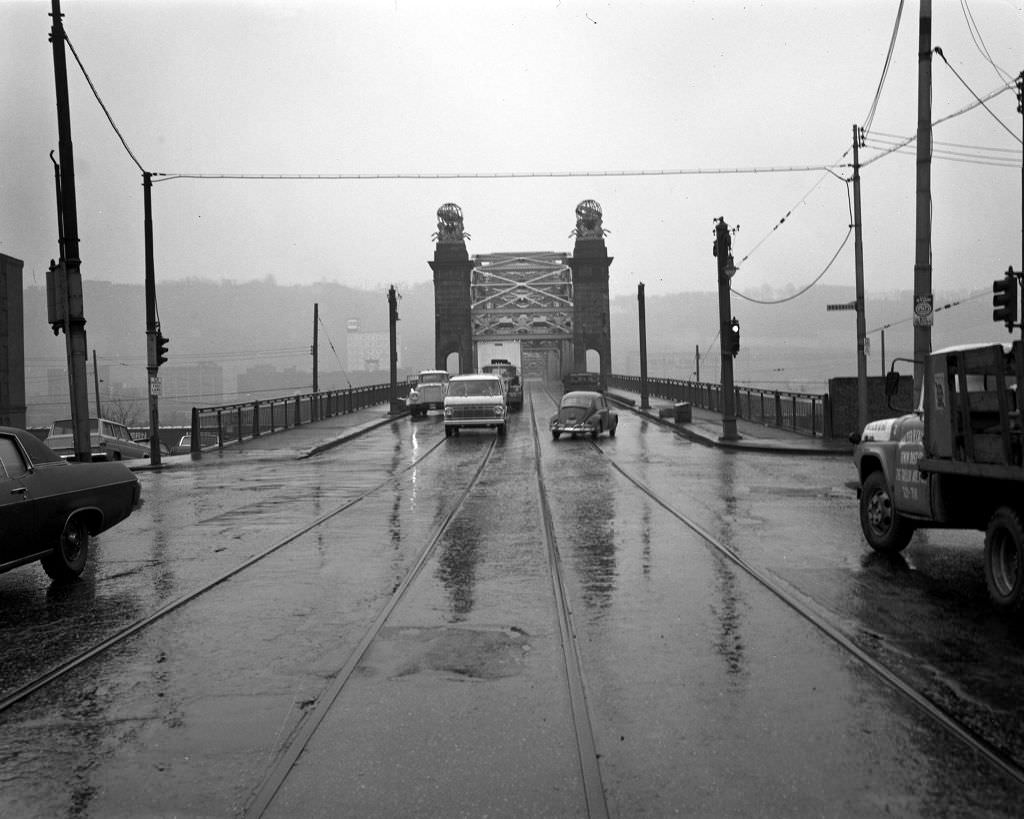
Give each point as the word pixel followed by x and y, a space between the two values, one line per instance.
pixel 956 462
pixel 427 392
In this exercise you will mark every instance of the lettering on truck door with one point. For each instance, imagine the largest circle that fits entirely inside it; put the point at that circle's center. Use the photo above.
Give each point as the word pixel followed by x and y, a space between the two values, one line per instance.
pixel 909 488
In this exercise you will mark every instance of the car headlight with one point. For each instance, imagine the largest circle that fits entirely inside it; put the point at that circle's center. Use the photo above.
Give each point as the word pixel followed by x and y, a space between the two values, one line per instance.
pixel 448 412
pixel 499 410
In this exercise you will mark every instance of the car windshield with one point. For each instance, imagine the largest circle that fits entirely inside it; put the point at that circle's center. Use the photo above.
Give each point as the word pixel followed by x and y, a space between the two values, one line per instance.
pixel 580 402
pixel 432 378
pixel 473 388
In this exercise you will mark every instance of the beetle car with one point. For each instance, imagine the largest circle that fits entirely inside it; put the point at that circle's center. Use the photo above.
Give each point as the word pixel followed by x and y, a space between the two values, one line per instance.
pixel 475 401
pixel 582 412
pixel 50 507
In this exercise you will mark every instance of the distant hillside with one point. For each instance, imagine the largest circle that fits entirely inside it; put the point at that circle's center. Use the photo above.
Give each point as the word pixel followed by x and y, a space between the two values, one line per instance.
pixel 795 344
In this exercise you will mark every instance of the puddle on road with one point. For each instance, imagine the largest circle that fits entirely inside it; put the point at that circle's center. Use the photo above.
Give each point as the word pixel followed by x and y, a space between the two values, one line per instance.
pixel 461 653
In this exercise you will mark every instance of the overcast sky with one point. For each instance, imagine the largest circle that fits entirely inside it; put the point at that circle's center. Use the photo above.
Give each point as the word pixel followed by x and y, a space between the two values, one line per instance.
pixel 548 86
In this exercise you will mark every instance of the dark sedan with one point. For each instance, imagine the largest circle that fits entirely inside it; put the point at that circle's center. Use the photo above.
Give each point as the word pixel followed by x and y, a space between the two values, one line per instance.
pixel 584 413
pixel 49 508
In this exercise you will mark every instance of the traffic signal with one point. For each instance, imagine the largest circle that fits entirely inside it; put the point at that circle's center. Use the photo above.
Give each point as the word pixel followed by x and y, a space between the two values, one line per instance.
pixel 161 349
pixel 1004 300
pixel 731 341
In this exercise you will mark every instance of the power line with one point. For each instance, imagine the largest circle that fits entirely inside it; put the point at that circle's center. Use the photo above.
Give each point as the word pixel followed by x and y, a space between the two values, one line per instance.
pixel 96 94
pixel 885 71
pixel 165 177
pixel 980 101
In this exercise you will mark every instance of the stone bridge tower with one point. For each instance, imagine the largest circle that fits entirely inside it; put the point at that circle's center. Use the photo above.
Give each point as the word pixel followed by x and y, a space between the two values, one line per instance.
pixel 590 263
pixel 453 331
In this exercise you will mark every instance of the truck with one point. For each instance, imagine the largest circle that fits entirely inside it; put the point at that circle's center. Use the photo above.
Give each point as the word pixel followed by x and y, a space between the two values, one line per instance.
pixel 505 359
pixel 426 392
pixel 510 378
pixel 954 463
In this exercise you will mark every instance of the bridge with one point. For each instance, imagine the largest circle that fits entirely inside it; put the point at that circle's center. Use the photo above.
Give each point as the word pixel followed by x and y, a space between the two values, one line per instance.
pixel 555 305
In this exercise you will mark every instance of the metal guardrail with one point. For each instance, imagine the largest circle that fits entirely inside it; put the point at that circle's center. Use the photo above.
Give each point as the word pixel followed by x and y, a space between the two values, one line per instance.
pixel 799 412
pixel 213 427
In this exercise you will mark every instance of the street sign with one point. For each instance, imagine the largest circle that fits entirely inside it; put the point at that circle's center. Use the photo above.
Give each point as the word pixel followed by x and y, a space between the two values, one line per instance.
pixel 849 305
pixel 154 385
pixel 923 314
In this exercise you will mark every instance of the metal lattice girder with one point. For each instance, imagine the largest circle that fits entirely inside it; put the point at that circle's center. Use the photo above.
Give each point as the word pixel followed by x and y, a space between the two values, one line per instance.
pixel 521 294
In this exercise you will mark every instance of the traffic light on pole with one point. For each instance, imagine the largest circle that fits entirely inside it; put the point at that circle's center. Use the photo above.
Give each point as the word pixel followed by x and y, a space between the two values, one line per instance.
pixel 1004 299
pixel 732 338
pixel 161 349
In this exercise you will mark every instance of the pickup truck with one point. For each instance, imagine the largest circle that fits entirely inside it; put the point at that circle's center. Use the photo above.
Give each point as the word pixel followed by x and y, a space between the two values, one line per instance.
pixel 956 462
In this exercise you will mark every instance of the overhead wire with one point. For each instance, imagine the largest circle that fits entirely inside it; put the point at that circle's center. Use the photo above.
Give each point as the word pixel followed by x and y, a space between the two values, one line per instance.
pixel 885 70
pixel 96 94
pixel 981 102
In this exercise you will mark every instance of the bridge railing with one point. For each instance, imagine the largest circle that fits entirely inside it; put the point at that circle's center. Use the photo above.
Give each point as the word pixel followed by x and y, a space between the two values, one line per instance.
pixel 230 423
pixel 800 412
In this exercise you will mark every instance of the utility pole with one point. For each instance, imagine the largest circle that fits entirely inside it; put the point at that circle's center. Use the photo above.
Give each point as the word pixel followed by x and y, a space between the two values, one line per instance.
pixel 154 341
pixel 726 270
pixel 70 269
pixel 858 255
pixel 642 309
pixel 316 347
pixel 923 300
pixel 96 380
pixel 396 406
pixel 697 359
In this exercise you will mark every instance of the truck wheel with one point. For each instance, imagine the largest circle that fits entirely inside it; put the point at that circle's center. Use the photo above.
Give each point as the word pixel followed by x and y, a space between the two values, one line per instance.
pixel 1004 574
pixel 885 529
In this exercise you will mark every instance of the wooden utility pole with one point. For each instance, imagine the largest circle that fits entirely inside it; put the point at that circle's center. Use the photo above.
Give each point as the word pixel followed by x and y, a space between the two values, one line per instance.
pixel 726 270
pixel 70 269
pixel 858 255
pixel 923 302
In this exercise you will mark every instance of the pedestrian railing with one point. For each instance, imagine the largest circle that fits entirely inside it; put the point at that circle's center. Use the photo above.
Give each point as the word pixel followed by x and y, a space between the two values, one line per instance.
pixel 805 413
pixel 217 426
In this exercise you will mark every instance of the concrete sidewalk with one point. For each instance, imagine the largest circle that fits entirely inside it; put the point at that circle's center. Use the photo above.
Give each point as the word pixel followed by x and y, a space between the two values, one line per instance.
pixel 706 428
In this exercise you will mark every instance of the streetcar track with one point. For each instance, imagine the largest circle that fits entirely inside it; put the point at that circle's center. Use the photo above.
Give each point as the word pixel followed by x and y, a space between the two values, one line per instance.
pixel 586 746
pixel 939 715
pixel 284 763
pixel 25 690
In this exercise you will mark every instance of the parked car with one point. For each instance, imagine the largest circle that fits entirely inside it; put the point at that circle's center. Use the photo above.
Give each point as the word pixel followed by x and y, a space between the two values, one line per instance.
pixel 206 441
pixel 110 441
pixel 475 401
pixel 583 412
pixel 427 392
pixel 49 508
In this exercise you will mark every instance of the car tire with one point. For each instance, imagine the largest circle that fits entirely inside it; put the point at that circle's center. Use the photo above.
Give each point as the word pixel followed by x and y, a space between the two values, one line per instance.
pixel 1004 552
pixel 885 529
pixel 501 429
pixel 448 432
pixel 68 559
pixel 556 434
pixel 611 430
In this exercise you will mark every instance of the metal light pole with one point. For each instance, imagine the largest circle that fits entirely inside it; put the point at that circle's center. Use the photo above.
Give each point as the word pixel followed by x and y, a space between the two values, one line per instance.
pixel 152 326
pixel 642 311
pixel 726 270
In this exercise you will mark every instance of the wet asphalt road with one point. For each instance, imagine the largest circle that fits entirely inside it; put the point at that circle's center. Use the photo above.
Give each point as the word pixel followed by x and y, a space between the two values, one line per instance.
pixel 707 695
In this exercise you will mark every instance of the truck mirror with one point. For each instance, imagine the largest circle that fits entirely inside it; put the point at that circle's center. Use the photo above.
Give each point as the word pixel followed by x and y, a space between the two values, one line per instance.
pixel 892 383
